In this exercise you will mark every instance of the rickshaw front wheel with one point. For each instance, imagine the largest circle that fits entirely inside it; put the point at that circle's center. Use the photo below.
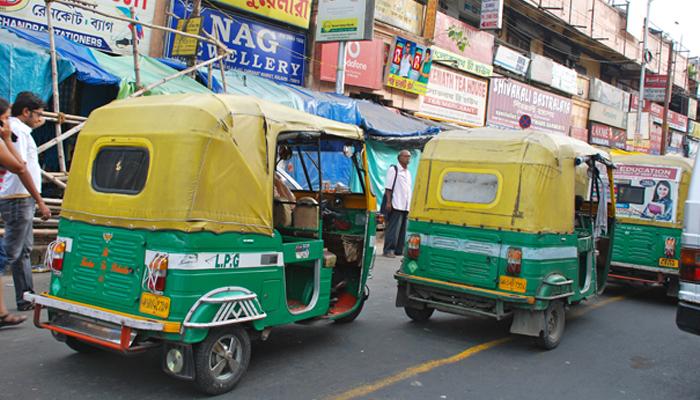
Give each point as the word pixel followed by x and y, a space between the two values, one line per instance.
pixel 221 359
pixel 554 322
pixel 419 315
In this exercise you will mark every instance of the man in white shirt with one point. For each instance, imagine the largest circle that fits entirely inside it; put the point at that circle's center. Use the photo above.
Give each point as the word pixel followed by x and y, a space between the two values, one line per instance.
pixel 398 186
pixel 16 205
pixel 406 61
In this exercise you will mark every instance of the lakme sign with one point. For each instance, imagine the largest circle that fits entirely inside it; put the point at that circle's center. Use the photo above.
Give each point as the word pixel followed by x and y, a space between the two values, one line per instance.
pixel 509 100
pixel 258 48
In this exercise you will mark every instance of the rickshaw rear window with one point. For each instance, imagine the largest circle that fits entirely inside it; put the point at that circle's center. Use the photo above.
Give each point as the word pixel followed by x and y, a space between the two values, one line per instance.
pixel 469 187
pixel 120 170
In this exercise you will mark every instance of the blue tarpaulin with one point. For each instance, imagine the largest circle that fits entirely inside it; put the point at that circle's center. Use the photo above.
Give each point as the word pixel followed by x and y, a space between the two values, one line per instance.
pixel 27 67
pixel 202 73
pixel 328 105
pixel 86 66
pixel 380 122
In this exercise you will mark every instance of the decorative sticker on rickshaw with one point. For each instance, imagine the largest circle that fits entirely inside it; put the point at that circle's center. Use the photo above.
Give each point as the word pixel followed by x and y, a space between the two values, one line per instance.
pixel 669 260
pixel 647 192
pixel 302 251
pixel 192 261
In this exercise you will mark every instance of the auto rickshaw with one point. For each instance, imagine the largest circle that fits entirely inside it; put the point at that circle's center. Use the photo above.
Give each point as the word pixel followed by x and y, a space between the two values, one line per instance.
pixel 507 223
pixel 650 193
pixel 176 232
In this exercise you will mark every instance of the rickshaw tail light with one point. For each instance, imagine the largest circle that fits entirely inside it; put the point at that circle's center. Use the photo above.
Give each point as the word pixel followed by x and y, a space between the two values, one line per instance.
pixel 413 246
pixel 690 265
pixel 56 253
pixel 515 259
pixel 158 271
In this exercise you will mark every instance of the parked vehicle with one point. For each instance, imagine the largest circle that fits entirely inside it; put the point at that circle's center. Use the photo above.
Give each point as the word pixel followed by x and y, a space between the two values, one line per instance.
pixel 176 231
pixel 688 313
pixel 650 193
pixel 507 223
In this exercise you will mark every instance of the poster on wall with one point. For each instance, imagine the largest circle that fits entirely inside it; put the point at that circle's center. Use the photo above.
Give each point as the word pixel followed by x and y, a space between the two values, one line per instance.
pixel 84 27
pixel 409 66
pixel 259 49
pixel 363 63
pixel 454 97
pixel 491 14
pixel 647 192
pixel 509 100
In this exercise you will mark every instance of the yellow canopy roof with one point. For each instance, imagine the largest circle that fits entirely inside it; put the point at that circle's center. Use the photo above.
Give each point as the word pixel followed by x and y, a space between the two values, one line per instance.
pixel 211 161
pixel 537 179
pixel 686 166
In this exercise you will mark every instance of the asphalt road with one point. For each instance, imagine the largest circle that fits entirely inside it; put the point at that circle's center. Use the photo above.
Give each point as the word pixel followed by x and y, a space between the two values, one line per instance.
pixel 624 345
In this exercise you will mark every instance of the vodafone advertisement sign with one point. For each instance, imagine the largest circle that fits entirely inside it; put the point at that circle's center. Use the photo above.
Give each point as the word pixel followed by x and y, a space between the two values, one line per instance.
pixel 364 63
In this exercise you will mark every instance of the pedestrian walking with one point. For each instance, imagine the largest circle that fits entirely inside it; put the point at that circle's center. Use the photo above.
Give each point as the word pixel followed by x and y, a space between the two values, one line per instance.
pixel 17 205
pixel 9 162
pixel 398 186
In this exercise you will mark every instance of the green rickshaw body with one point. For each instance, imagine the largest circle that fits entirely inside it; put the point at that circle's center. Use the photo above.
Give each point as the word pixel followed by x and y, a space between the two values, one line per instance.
pixel 178 228
pixel 502 223
pixel 648 227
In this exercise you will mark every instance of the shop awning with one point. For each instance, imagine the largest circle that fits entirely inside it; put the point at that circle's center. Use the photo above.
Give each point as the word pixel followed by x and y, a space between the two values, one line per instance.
pixel 202 73
pixel 81 57
pixel 27 67
pixel 151 70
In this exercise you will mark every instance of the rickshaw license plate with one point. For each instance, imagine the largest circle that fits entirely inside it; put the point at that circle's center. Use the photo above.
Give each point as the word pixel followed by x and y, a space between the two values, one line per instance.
pixel 512 284
pixel 668 262
pixel 155 305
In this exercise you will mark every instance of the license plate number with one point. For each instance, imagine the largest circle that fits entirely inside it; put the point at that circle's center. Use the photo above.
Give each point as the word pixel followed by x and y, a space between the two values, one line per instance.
pixel 668 262
pixel 155 305
pixel 512 284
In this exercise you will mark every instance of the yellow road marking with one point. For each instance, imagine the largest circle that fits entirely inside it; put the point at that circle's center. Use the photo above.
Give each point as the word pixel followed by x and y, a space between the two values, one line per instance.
pixel 410 372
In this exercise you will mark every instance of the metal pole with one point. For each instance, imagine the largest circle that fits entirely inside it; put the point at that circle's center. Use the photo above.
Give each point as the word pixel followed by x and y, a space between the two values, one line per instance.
pixel 640 103
pixel 667 99
pixel 340 71
pixel 54 82
pixel 135 50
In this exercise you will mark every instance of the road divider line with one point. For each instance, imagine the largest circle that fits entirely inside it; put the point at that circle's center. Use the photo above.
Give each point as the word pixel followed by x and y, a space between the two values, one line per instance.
pixel 410 372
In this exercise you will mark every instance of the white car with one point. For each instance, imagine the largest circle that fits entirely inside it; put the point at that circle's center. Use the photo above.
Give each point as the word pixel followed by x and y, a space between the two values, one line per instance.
pixel 688 314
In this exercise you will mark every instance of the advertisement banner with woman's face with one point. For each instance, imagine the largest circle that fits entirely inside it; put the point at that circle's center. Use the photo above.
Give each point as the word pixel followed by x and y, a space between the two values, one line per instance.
pixel 647 192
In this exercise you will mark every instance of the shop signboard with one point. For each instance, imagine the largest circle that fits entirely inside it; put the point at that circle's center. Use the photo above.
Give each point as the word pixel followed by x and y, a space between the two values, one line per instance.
pixel 644 127
pixel 676 121
pixel 510 99
pixel 608 94
pixel 363 63
pixel 647 192
pixel 676 144
pixel 491 14
pixel 409 67
pixel 344 20
pixel 655 87
pixel 403 14
pixel 511 60
pixel 579 133
pixel 84 27
pixel 292 12
pixel 608 136
pixel 655 137
pixel 692 108
pixel 694 129
pixel 258 48
pixel 461 46
pixel 545 70
pixel 608 115
pixel 455 97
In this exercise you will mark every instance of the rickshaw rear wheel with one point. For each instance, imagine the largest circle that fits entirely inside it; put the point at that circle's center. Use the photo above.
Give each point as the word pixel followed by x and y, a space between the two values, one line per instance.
pixel 221 359
pixel 554 323
pixel 80 346
pixel 419 315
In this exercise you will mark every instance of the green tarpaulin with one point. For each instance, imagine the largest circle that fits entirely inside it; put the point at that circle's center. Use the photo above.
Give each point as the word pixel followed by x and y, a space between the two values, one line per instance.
pixel 152 71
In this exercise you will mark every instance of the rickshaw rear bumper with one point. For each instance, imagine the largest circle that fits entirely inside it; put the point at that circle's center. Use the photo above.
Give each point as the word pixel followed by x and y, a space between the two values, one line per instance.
pixel 640 273
pixel 96 326
pixel 456 298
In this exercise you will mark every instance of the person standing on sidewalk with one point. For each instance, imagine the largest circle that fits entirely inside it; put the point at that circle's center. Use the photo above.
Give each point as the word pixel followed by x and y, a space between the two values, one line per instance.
pixel 398 186
pixel 16 203
pixel 8 161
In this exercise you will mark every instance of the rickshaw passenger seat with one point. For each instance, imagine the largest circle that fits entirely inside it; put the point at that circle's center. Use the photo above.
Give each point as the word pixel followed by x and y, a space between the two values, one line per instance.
pixel 329 259
pixel 305 213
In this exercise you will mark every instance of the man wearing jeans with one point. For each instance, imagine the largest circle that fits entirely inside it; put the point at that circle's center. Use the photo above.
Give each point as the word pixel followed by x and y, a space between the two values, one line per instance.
pixel 398 185
pixel 16 205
